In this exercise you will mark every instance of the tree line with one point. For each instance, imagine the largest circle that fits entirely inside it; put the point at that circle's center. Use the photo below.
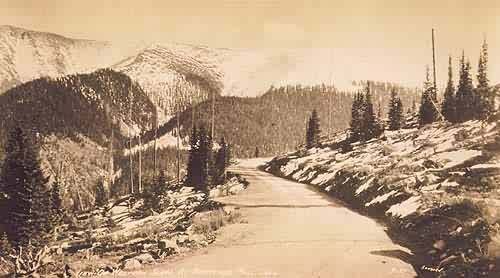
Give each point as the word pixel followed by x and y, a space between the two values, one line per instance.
pixel 262 123
pixel 464 103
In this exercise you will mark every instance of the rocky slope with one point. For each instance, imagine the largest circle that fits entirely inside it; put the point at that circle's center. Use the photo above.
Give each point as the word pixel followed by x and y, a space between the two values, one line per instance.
pixel 437 186
pixel 26 55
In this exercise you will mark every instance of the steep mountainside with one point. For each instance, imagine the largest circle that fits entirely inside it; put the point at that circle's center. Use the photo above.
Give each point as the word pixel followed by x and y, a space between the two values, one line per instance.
pixel 77 104
pixel 26 55
pixel 72 117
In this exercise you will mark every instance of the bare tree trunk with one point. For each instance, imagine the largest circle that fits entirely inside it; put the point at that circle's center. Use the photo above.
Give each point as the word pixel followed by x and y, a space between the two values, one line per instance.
pixel 140 165
pixel 130 155
pixel 80 205
pixel 111 162
pixel 192 111
pixel 178 148
pixel 434 63
pixel 154 146
pixel 212 131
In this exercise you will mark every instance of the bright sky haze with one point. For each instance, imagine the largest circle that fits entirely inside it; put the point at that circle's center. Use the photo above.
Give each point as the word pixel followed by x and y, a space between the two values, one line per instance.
pixel 391 38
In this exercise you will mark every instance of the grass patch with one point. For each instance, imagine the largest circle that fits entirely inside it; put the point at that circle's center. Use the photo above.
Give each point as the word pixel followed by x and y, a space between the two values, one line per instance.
pixel 211 221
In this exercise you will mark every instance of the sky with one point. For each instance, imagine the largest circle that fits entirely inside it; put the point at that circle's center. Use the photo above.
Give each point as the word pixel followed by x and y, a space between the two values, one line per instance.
pixel 390 36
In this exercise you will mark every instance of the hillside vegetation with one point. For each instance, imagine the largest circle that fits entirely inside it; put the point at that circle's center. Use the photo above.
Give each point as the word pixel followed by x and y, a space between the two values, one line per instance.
pixel 275 122
pixel 72 117
pixel 437 186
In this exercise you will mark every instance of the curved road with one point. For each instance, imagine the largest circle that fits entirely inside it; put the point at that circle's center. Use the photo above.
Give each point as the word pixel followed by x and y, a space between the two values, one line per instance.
pixel 292 231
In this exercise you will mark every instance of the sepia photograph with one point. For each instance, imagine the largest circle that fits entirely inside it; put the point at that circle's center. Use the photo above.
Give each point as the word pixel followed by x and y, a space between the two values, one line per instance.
pixel 250 138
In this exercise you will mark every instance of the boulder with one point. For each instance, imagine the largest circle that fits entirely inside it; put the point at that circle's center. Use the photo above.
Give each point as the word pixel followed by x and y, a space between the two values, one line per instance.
pixel 145 258
pixel 148 246
pixel 131 264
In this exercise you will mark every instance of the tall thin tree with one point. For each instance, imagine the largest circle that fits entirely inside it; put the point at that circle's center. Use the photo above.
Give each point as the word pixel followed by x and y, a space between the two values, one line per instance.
pixel 448 107
pixel 465 93
pixel 26 213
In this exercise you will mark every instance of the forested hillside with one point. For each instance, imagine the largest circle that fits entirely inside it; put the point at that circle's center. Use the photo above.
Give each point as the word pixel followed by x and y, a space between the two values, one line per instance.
pixel 275 122
pixel 72 119
pixel 86 104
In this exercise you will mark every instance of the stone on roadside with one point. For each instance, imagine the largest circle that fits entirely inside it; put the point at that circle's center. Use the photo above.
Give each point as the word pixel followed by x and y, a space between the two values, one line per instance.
pixel 145 258
pixel 131 264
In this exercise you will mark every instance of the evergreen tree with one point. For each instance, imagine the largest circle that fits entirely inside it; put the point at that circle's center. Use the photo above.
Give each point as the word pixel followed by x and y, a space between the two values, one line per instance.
pixel 208 159
pixel 193 164
pixel 485 98
pixel 395 111
pixel 313 130
pixel 356 117
pixel 5 246
pixel 26 211
pixel 199 162
pixel 427 112
pixel 228 155
pixel 57 211
pixel 155 197
pixel 220 162
pixel 101 197
pixel 465 100
pixel 370 125
pixel 448 107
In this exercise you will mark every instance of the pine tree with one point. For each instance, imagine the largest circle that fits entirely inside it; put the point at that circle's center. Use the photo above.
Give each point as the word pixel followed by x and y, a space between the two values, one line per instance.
pixel 208 159
pixel 448 107
pixel 5 246
pixel 155 197
pixel 199 162
pixel 57 210
pixel 313 130
pixel 26 211
pixel 220 162
pixel 485 98
pixel 465 100
pixel 193 164
pixel 427 112
pixel 228 155
pixel 101 197
pixel 395 111
pixel 356 117
pixel 370 125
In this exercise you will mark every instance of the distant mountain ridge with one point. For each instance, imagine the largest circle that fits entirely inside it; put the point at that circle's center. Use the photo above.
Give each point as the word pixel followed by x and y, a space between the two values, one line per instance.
pixel 26 55
pixel 164 70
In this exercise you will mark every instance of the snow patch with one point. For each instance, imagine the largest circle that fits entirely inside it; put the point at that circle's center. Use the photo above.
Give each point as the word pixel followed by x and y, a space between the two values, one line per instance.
pixel 454 158
pixel 382 198
pixel 364 186
pixel 405 208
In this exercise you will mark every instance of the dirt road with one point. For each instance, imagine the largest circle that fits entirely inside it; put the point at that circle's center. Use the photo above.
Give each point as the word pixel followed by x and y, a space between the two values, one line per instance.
pixel 292 231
